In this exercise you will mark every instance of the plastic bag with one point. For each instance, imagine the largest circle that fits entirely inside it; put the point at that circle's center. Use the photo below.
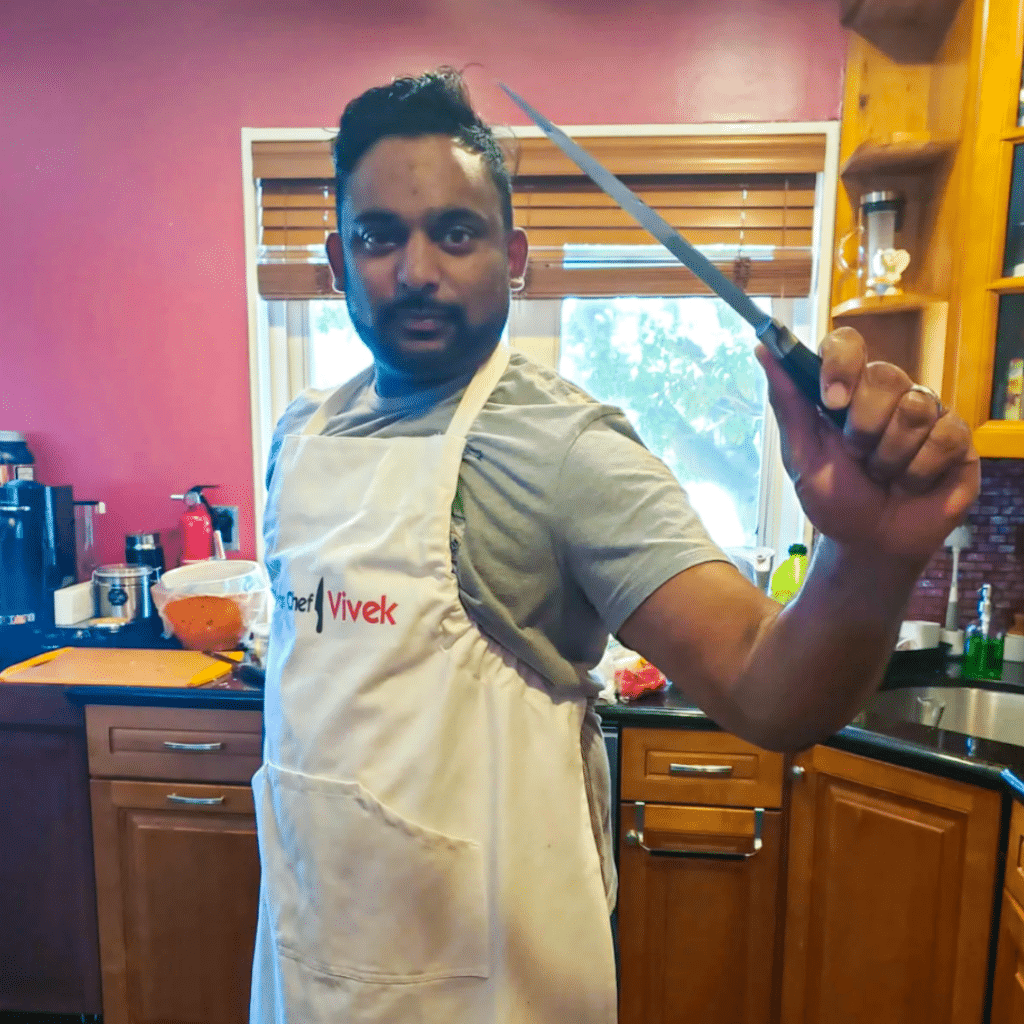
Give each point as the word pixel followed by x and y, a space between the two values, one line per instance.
pixel 629 673
pixel 218 623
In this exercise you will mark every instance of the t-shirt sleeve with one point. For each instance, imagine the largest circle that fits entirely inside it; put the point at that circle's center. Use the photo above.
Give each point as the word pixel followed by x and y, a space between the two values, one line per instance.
pixel 624 524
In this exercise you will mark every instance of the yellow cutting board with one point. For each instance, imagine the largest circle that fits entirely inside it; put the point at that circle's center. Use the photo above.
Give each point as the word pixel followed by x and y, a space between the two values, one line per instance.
pixel 102 666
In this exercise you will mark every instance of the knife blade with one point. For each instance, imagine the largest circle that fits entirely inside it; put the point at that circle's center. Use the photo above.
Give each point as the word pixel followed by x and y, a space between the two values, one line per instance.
pixel 801 364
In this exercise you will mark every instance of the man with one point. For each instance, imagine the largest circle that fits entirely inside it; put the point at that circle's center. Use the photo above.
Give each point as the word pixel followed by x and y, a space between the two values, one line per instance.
pixel 450 536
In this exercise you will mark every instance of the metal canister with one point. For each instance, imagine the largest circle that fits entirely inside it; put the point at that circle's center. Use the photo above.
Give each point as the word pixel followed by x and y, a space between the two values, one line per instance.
pixel 122 592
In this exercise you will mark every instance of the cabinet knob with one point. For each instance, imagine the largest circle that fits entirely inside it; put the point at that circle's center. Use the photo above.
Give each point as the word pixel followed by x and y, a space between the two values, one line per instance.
pixel 797 771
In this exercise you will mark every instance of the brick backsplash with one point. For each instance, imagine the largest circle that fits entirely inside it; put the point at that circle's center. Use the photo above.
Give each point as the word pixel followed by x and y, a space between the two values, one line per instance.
pixel 991 558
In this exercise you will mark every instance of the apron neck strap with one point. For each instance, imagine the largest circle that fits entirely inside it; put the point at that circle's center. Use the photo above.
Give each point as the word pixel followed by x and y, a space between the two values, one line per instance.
pixel 478 391
pixel 336 401
pixel 473 399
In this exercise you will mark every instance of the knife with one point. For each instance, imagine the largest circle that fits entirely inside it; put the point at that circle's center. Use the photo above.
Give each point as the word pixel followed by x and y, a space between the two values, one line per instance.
pixel 801 364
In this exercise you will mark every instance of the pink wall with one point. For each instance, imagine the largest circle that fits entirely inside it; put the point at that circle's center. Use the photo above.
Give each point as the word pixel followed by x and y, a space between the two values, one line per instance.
pixel 123 340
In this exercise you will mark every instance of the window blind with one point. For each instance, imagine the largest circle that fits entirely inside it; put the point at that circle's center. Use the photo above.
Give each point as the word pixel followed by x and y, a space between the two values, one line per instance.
pixel 749 199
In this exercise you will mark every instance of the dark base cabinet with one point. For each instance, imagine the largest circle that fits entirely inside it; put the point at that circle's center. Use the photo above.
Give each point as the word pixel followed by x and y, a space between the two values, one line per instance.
pixel 177 861
pixel 49 957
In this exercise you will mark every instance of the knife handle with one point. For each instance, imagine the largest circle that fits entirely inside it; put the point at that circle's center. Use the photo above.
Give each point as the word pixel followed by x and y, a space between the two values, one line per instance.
pixel 804 369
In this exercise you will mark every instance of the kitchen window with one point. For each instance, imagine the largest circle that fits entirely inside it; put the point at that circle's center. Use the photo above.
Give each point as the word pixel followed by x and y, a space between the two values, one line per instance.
pixel 604 306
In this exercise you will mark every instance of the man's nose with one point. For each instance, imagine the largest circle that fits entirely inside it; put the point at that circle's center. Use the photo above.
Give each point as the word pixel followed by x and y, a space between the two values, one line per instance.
pixel 419 269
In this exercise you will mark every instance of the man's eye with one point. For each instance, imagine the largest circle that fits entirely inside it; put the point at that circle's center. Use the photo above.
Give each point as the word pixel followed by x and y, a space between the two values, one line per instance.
pixel 458 236
pixel 375 239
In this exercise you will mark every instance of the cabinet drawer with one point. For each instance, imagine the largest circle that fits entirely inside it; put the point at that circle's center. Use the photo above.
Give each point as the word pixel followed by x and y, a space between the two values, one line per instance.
pixel 1015 854
pixel 677 766
pixel 192 744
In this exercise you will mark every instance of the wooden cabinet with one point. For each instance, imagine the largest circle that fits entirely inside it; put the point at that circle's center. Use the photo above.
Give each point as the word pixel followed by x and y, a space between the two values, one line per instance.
pixel 990 341
pixel 1008 982
pixel 699 871
pixel 49 958
pixel 889 896
pixel 910 31
pixel 870 902
pixel 177 862
pixel 907 127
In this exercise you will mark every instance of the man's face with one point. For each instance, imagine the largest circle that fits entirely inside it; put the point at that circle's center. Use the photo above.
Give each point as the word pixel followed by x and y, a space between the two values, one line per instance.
pixel 426 259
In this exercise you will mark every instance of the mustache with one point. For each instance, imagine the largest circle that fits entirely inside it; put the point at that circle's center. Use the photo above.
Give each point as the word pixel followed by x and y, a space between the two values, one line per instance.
pixel 418 306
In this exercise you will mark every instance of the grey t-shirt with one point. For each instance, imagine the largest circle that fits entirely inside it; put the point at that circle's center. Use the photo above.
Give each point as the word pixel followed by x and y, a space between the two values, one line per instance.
pixel 564 523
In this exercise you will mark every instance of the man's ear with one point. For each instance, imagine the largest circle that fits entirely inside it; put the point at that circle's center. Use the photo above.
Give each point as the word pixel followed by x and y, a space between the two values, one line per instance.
pixel 336 258
pixel 518 254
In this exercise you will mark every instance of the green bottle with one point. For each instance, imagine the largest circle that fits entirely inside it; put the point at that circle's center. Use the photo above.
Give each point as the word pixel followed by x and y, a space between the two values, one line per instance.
pixel 983 651
pixel 789 576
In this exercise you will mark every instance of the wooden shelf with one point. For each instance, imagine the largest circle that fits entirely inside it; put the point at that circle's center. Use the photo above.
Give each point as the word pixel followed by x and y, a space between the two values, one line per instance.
pixel 880 305
pixel 1007 285
pixel 1000 439
pixel 907 31
pixel 908 330
pixel 895 157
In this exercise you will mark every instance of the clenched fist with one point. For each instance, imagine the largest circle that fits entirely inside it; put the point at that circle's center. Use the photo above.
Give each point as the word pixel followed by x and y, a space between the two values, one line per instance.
pixel 902 473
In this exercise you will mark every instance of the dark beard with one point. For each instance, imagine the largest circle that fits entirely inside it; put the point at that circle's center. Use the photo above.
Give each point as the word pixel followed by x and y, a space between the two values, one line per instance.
pixel 467 349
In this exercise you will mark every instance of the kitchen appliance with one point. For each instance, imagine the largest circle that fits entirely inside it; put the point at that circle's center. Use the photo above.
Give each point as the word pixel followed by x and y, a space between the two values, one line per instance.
pixel 145 549
pixel 85 537
pixel 16 459
pixel 122 592
pixel 801 364
pixel 37 551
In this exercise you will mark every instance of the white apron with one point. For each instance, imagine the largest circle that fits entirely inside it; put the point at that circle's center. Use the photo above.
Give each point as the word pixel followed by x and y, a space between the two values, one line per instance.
pixel 424 832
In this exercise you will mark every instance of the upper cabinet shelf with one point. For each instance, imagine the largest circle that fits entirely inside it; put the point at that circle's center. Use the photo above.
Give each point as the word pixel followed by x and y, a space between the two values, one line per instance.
pixel 903 154
pixel 874 305
pixel 907 31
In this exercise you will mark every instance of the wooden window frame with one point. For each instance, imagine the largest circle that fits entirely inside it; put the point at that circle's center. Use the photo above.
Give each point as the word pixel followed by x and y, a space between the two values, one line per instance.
pixel 720 148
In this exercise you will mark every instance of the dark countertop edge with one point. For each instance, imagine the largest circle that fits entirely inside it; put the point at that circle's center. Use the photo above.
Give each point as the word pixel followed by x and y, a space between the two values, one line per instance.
pixel 166 697
pixel 855 740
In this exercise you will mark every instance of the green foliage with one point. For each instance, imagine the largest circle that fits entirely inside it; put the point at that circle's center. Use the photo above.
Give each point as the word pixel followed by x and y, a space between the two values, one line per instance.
pixel 699 407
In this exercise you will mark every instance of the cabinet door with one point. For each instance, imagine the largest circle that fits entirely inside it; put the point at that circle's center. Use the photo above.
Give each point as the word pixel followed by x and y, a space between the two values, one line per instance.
pixel 990 356
pixel 697 933
pixel 177 870
pixel 1008 989
pixel 890 894
pixel 49 961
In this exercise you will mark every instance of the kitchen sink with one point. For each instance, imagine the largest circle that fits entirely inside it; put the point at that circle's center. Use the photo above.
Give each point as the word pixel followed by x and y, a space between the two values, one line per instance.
pixel 987 714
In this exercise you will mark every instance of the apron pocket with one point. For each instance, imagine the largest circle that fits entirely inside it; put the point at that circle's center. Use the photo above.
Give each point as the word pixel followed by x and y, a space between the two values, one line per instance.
pixel 357 891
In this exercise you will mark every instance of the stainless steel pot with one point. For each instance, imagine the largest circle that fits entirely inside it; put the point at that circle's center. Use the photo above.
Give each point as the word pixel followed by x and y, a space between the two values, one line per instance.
pixel 122 591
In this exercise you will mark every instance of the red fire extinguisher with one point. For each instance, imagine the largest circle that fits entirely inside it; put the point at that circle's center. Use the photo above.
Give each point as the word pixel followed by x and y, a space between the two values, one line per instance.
pixel 196 525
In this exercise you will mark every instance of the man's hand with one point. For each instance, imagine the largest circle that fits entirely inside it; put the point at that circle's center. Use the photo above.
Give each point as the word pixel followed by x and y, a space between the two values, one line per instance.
pixel 900 476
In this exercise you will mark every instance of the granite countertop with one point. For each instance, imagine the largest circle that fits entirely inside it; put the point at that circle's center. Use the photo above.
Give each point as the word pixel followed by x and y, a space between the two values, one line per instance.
pixel 937 751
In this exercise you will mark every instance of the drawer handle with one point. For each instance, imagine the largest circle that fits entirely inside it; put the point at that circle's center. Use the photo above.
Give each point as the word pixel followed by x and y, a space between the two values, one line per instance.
pixel 635 837
pixel 195 801
pixel 193 748
pixel 700 769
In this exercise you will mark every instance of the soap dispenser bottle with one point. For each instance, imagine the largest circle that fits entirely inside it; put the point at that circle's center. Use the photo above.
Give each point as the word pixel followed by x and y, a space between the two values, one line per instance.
pixel 983 648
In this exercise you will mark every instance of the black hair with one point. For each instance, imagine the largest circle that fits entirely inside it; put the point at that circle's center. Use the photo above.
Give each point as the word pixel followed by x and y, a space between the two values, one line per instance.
pixel 434 103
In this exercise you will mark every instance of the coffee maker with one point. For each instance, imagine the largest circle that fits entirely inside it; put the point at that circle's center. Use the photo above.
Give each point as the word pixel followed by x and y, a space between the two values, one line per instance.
pixel 37 551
